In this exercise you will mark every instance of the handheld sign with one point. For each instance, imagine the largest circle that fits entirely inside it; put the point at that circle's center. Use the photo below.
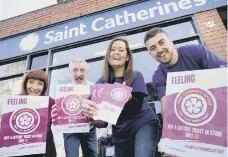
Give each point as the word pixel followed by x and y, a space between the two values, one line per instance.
pixel 195 117
pixel 24 125
pixel 70 118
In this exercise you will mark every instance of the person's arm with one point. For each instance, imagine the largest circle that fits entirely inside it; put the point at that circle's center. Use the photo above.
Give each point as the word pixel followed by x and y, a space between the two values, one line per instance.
pixel 134 105
pixel 159 83
pixel 162 106
pixel 206 58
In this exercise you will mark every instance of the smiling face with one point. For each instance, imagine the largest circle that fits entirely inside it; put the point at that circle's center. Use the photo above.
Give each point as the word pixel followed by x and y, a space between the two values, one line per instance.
pixel 79 73
pixel 34 87
pixel 161 48
pixel 118 54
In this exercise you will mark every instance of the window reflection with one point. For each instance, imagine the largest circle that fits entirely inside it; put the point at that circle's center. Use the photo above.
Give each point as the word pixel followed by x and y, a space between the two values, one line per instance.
pixel 95 70
pixel 59 74
pixel 8 87
pixel 143 62
pixel 187 43
pixel 39 62
pixel 12 68
pixel 180 31
pixel 85 52
pixel 175 32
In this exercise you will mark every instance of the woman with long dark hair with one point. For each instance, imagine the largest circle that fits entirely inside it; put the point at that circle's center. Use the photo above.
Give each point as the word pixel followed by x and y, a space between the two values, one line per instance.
pixel 136 132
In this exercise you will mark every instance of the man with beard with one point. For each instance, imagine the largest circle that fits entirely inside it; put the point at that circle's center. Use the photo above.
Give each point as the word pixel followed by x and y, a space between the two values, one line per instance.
pixel 79 69
pixel 184 58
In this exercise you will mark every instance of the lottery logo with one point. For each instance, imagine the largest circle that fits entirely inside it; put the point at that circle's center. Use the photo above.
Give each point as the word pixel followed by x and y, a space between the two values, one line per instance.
pixel 118 94
pixel 71 104
pixel 195 107
pixel 24 121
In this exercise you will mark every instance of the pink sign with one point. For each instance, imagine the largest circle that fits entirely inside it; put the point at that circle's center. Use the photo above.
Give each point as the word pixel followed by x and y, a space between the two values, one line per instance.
pixel 70 118
pixel 24 125
pixel 195 121
pixel 111 99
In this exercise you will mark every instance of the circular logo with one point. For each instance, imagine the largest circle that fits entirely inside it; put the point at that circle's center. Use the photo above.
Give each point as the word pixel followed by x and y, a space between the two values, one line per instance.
pixel 24 121
pixel 118 94
pixel 29 42
pixel 195 107
pixel 71 104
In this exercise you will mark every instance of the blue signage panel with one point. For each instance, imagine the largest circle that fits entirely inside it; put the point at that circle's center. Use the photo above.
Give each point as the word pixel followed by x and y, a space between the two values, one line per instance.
pixel 100 24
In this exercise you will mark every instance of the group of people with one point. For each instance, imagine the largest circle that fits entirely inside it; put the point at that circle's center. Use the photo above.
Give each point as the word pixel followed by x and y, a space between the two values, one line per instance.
pixel 136 133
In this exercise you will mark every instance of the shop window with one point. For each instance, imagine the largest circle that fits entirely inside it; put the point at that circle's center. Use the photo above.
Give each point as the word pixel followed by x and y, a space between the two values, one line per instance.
pixel 147 67
pixel 186 43
pixel 95 70
pixel 12 68
pixel 180 31
pixel 175 32
pixel 223 14
pixel 84 52
pixel 56 75
pixel 9 87
pixel 39 62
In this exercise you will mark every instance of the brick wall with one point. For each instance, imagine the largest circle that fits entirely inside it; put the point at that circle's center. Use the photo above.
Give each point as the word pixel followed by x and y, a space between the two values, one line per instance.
pixel 213 31
pixel 53 14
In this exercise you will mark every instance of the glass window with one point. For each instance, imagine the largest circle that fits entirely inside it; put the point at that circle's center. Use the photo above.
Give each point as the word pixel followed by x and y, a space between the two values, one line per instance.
pixel 39 62
pixel 84 52
pixel 175 32
pixel 223 15
pixel 12 68
pixel 180 31
pixel 59 74
pixel 187 43
pixel 143 62
pixel 9 87
pixel 95 70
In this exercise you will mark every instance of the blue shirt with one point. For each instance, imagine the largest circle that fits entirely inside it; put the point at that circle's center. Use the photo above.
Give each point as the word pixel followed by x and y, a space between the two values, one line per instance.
pixel 126 127
pixel 190 57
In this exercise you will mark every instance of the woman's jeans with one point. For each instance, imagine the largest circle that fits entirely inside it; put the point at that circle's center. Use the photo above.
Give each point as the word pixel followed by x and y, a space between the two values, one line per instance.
pixel 143 144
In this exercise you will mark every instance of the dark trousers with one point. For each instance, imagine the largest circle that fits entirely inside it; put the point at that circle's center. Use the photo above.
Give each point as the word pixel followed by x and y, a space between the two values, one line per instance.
pixel 144 143
pixel 88 143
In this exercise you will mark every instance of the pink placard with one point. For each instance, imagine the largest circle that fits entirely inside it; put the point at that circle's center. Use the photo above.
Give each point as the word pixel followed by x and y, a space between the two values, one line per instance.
pixel 24 125
pixel 195 121
pixel 70 117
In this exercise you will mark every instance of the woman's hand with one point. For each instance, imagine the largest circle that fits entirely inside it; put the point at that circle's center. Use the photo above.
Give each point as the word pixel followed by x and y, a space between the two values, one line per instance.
pixel 98 123
pixel 130 97
pixel 90 108
pixel 53 113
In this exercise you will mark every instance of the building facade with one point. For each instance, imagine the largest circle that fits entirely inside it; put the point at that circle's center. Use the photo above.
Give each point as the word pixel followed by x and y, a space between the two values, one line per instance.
pixel 49 38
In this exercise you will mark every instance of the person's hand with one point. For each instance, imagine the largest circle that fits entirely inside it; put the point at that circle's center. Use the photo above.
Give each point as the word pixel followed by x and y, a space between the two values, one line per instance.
pixel 89 108
pixel 98 123
pixel 222 66
pixel 53 113
pixel 130 96
pixel 161 150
